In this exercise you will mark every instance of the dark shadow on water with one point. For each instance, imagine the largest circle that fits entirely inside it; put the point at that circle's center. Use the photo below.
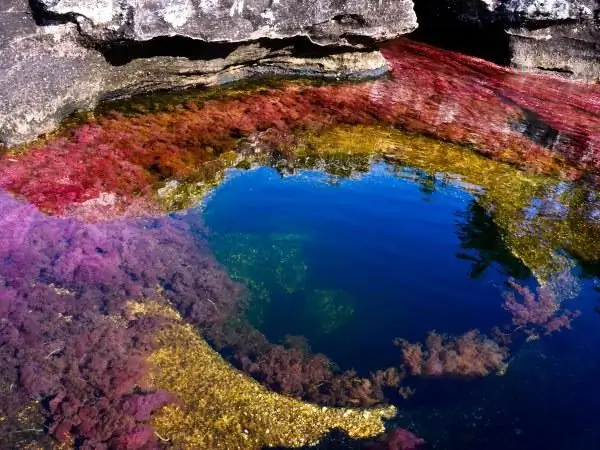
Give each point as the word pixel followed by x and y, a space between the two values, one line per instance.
pixel 483 244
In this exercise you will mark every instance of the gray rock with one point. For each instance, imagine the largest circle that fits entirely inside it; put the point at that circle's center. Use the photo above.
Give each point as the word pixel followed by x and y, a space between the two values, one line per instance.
pixel 562 36
pixel 572 50
pixel 90 51
pixel 515 11
pixel 326 22
pixel 45 75
pixel 518 12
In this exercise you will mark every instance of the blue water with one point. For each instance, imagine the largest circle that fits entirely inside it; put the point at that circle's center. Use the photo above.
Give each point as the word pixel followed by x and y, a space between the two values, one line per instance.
pixel 386 248
pixel 352 263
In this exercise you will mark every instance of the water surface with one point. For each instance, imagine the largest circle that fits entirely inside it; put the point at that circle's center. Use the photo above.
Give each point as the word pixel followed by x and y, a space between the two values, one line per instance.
pixel 346 215
pixel 351 263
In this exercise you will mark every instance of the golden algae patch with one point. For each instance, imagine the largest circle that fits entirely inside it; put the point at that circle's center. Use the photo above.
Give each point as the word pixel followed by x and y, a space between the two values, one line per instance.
pixel 177 194
pixel 508 194
pixel 222 408
pixel 25 429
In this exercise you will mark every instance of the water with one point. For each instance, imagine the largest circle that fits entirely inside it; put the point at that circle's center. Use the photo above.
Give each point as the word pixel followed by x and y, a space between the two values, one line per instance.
pixel 352 263
pixel 159 257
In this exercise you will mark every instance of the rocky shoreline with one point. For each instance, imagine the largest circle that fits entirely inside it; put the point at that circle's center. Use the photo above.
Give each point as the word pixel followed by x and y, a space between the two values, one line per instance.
pixel 60 56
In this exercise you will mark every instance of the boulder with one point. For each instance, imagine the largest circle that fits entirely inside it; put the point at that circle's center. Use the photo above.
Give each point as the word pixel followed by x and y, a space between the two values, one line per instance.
pixel 325 22
pixel 561 36
pixel 570 49
pixel 534 11
pixel 68 55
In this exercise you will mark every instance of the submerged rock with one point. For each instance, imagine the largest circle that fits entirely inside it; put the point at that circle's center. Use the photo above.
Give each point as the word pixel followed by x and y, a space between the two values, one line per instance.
pixel 66 55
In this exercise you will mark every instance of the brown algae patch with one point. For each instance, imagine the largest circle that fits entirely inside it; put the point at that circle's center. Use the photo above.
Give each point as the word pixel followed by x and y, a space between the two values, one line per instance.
pixel 222 408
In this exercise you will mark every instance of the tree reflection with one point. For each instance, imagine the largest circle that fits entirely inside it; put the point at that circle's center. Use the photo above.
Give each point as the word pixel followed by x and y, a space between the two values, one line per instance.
pixel 483 245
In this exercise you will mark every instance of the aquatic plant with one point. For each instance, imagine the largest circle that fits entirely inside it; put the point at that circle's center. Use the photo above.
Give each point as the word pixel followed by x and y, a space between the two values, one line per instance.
pixel 81 364
pixel 292 369
pixel 329 309
pixel 536 216
pixel 396 439
pixel 67 338
pixel 115 164
pixel 467 356
pixel 539 310
pixel 223 409
pixel 268 266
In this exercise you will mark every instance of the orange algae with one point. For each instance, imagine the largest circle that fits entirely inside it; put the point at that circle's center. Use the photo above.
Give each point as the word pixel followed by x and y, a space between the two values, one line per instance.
pixel 222 408
pixel 116 164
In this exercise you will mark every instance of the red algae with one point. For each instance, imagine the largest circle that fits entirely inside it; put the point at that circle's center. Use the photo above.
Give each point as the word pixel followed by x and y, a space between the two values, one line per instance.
pixel 539 310
pixel 293 370
pixel 468 356
pixel 114 165
pixel 490 95
pixel 67 339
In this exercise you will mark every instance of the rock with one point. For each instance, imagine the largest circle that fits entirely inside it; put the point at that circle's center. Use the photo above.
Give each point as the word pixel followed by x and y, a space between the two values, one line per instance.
pixel 86 51
pixel 45 75
pixel 572 50
pixel 532 11
pixel 561 36
pixel 518 12
pixel 327 22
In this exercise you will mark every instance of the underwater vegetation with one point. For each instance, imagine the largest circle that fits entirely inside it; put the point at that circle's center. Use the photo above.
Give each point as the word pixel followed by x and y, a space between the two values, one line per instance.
pixel 292 369
pixel 221 408
pixel 247 258
pixel 540 217
pixel 467 356
pixel 540 309
pixel 68 342
pixel 82 363
pixel 116 164
pixel 108 305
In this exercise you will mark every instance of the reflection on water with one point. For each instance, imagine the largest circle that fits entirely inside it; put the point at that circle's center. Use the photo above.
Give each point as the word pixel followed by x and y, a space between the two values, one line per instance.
pixel 354 265
pixel 430 256
pixel 424 240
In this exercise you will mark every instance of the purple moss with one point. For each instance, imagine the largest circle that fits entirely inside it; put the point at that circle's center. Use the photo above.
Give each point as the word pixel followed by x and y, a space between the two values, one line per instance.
pixel 66 339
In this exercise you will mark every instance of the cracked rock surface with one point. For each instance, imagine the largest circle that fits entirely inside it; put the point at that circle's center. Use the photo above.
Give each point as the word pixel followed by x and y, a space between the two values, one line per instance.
pixel 326 22
pixel 67 55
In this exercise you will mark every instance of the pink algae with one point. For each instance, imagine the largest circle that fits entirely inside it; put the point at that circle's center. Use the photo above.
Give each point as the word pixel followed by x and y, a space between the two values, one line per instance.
pixel 113 165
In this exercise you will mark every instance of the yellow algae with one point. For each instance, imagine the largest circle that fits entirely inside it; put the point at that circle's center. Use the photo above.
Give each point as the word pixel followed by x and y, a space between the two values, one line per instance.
pixel 177 194
pixel 507 193
pixel 222 408
pixel 25 429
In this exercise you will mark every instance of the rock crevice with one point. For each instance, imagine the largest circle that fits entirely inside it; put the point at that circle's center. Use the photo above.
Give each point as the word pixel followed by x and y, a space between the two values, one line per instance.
pixel 59 56
pixel 561 36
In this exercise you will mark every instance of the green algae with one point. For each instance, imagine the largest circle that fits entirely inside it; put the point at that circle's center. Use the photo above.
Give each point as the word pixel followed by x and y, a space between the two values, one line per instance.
pixel 249 258
pixel 329 310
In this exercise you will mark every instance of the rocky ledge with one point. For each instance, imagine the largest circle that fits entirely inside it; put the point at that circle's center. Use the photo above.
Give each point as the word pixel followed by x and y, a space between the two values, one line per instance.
pixel 59 56
pixel 561 36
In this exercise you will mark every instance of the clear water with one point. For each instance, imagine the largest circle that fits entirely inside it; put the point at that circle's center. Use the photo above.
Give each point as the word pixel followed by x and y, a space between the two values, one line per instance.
pixel 452 176
pixel 352 263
